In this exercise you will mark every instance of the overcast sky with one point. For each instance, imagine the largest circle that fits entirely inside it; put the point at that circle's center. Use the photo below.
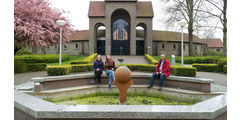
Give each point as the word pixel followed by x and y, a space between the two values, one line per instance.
pixel 78 14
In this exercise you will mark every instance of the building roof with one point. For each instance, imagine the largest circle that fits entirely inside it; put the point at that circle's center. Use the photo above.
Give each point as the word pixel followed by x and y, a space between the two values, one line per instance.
pixel 172 36
pixel 79 35
pixel 120 0
pixel 157 36
pixel 97 9
pixel 213 43
pixel 144 9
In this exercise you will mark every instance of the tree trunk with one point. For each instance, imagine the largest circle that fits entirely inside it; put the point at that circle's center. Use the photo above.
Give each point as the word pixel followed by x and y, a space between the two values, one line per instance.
pixel 190 26
pixel 225 28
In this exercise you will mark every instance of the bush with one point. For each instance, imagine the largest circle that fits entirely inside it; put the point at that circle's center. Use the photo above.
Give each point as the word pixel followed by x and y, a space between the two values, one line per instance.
pixel 206 67
pixel 48 58
pixel 87 60
pixel 183 71
pixel 23 51
pixel 20 66
pixel 151 59
pixel 58 70
pixel 198 59
pixel 175 70
pixel 225 68
pixel 221 62
pixel 81 68
pixel 36 67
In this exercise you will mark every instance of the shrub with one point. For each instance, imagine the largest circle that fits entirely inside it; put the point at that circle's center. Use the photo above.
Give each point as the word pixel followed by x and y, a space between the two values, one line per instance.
pixel 58 70
pixel 87 60
pixel 183 71
pixel 175 70
pixel 23 51
pixel 221 62
pixel 36 67
pixel 198 59
pixel 225 68
pixel 151 59
pixel 81 68
pixel 206 67
pixel 40 58
pixel 19 66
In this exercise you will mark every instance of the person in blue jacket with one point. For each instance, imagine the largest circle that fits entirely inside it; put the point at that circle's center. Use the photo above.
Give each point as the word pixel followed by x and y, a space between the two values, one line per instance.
pixel 98 67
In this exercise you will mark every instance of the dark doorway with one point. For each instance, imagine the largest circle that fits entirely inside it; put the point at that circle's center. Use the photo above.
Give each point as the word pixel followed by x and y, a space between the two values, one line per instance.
pixel 101 47
pixel 140 47
pixel 120 37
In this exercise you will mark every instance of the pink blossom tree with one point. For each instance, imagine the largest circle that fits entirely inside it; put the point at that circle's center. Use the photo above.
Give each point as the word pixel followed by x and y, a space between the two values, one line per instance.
pixel 35 24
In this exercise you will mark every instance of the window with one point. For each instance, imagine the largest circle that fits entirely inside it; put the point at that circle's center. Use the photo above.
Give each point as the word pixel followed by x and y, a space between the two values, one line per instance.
pixel 120 30
pixel 55 47
pixel 65 47
pixel 183 47
pixel 163 46
pixel 76 46
pixel 218 49
pixel 174 46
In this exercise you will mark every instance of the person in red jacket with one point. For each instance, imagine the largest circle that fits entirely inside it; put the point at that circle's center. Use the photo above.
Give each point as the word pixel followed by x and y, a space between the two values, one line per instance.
pixel 162 71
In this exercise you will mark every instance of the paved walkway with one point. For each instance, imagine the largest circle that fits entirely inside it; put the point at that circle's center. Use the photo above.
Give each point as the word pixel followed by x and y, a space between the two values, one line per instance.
pixel 219 78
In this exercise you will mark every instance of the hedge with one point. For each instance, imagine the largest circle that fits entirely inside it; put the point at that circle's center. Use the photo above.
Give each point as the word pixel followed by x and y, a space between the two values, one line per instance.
pixel 221 62
pixel 58 70
pixel 20 66
pixel 225 68
pixel 183 71
pixel 40 58
pixel 87 60
pixel 213 53
pixel 175 70
pixel 151 59
pixel 198 59
pixel 23 51
pixel 206 67
pixel 32 67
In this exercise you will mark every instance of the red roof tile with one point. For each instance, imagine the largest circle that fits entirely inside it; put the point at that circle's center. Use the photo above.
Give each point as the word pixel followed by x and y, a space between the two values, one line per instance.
pixel 213 43
pixel 96 9
pixel 144 9
pixel 79 35
pixel 120 0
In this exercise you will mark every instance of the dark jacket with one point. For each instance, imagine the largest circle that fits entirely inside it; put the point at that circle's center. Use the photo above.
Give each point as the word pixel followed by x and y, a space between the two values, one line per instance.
pixel 98 64
pixel 109 67
pixel 165 67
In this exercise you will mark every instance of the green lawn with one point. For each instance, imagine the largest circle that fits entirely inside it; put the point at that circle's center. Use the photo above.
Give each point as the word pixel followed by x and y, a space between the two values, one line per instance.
pixel 133 98
pixel 72 58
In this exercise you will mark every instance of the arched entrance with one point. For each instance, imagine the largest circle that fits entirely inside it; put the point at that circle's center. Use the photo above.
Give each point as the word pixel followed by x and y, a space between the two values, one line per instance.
pixel 120 34
pixel 100 38
pixel 140 39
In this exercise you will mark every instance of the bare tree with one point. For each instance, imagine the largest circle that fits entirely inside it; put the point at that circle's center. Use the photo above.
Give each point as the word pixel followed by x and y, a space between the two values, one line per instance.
pixel 184 9
pixel 219 12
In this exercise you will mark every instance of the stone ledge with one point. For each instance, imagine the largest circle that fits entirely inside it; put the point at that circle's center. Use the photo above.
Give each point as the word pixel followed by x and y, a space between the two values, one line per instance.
pixel 138 75
pixel 39 108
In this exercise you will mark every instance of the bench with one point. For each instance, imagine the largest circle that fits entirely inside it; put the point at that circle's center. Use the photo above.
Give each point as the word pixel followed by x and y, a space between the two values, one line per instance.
pixel 180 82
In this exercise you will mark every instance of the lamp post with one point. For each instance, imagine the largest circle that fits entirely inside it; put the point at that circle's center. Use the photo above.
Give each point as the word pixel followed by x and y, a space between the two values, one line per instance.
pixel 182 23
pixel 60 23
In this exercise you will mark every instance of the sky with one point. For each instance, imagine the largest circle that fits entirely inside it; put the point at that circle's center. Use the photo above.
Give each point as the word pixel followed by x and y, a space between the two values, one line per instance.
pixel 77 13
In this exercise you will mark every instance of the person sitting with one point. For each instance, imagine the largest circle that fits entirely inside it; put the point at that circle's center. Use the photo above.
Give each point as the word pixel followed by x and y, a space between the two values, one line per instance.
pixel 162 71
pixel 110 67
pixel 98 67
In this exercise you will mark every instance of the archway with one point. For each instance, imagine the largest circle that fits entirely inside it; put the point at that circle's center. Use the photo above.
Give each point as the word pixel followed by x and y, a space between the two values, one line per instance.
pixel 120 34
pixel 141 48
pixel 100 38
